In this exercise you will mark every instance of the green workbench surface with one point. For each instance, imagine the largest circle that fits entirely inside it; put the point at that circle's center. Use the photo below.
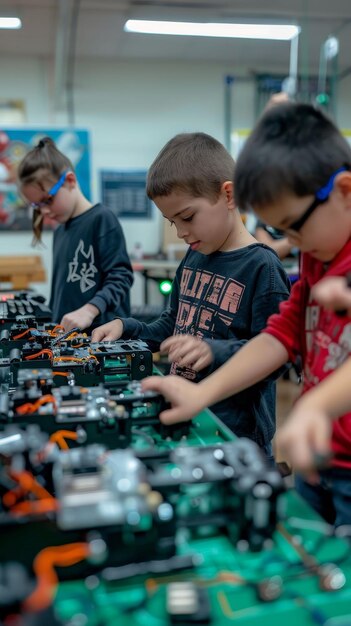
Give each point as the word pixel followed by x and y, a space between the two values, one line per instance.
pixel 205 429
pixel 294 560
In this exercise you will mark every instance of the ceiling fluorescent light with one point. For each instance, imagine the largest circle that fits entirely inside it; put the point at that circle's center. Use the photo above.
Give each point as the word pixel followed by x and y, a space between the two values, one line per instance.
pixel 10 22
pixel 283 32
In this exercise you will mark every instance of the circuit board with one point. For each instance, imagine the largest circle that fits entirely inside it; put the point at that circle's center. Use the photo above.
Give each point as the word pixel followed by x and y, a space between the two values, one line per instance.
pixel 123 417
pixel 302 578
pixel 109 518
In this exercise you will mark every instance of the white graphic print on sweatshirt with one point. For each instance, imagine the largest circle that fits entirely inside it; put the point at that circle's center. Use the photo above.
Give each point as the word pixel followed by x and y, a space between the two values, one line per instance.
pixel 82 268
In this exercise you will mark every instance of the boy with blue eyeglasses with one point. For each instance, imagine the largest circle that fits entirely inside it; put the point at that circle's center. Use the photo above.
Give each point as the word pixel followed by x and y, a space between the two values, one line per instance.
pixel 294 172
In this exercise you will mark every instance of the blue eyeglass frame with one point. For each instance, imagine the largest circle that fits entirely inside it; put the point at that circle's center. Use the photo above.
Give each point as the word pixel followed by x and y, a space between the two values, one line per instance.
pixel 320 197
pixel 52 192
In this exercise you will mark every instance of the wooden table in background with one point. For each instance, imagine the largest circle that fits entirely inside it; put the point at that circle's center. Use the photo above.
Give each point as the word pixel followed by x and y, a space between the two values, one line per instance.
pixel 20 271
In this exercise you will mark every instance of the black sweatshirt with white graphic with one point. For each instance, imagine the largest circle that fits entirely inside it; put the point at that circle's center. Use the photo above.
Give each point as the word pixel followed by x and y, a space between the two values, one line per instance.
pixel 91 265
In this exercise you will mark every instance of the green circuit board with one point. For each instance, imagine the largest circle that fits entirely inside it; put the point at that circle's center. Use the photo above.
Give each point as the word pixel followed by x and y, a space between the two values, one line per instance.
pixel 205 430
pixel 302 578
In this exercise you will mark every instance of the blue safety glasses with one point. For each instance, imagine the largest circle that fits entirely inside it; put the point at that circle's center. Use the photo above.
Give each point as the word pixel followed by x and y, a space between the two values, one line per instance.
pixel 51 193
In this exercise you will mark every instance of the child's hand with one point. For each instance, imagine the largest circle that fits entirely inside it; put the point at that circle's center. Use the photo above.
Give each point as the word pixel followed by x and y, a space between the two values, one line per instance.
pixel 188 351
pixel 305 438
pixel 185 397
pixel 333 293
pixel 80 318
pixel 108 332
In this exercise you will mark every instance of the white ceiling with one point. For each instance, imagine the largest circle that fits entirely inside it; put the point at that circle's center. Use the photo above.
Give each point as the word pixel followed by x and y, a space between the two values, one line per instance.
pixel 100 30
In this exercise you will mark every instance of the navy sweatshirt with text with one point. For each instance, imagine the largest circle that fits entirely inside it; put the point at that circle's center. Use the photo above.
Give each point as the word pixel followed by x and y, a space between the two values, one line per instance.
pixel 226 299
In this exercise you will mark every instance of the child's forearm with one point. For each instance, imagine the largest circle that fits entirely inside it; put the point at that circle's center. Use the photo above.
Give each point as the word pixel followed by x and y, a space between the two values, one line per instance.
pixel 91 308
pixel 255 361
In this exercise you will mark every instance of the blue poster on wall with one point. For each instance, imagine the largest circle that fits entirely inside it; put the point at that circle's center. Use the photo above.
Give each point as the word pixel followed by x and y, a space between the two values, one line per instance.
pixel 14 144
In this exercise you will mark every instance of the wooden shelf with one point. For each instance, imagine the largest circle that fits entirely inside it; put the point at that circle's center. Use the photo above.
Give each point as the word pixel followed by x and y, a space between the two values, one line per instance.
pixel 20 271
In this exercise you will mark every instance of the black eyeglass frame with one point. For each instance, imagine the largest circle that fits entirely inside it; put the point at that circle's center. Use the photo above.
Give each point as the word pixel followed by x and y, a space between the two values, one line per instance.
pixel 298 224
pixel 321 197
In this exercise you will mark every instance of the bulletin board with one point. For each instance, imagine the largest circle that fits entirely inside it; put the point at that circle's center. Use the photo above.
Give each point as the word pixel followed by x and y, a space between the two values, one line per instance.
pixel 123 191
pixel 14 144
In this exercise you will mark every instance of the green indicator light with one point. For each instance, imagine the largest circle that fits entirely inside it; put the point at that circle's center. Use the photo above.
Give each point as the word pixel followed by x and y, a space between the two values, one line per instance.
pixel 165 287
pixel 323 99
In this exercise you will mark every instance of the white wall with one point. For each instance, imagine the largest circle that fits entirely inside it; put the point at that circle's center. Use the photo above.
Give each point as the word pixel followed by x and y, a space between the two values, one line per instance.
pixel 132 108
pixel 344 103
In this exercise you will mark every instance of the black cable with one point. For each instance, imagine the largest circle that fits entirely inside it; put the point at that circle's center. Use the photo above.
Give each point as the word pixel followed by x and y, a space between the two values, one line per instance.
pixel 65 335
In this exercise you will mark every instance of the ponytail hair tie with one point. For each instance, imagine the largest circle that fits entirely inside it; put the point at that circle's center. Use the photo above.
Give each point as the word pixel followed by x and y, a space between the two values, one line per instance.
pixel 44 141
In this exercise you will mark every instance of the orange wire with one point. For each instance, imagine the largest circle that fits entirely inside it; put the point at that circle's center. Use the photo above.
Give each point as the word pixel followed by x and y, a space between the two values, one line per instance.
pixel 75 359
pixel 61 373
pixel 60 435
pixel 47 580
pixel 26 484
pixel 27 481
pixel 61 443
pixel 35 507
pixel 23 334
pixel 45 351
pixel 12 496
pixel 53 330
pixel 31 407
pixel 69 434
